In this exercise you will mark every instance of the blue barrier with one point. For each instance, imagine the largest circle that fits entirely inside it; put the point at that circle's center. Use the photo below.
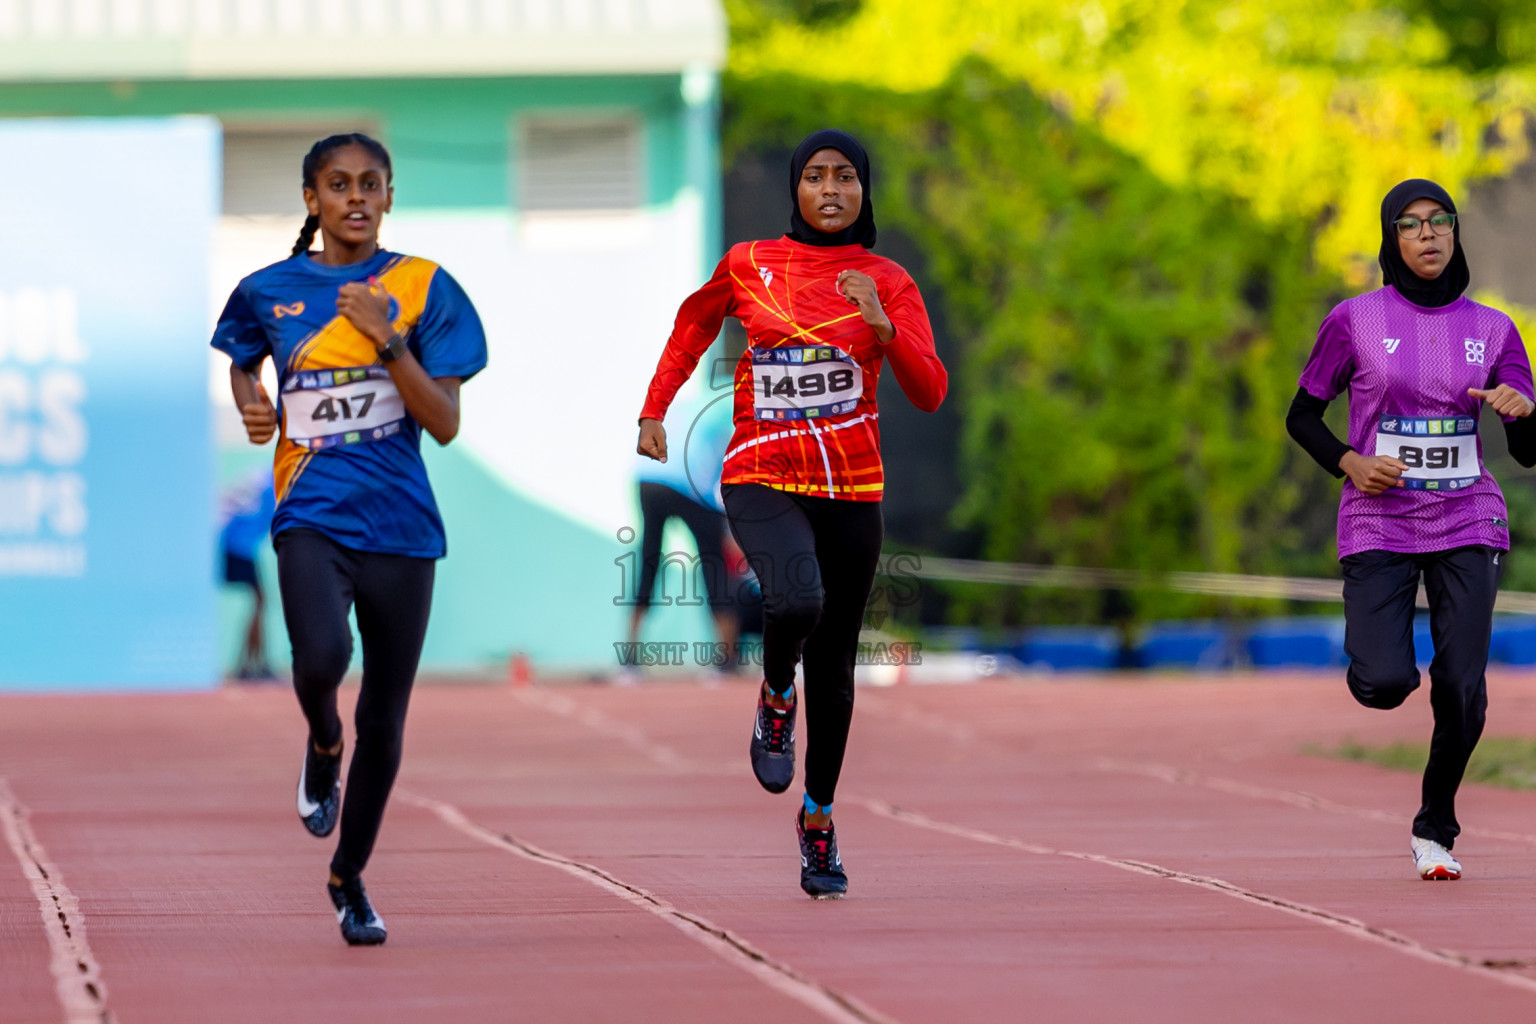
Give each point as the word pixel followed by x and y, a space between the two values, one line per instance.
pixel 1297 643
pixel 1198 645
pixel 1514 640
pixel 1309 642
pixel 1423 644
pixel 1070 648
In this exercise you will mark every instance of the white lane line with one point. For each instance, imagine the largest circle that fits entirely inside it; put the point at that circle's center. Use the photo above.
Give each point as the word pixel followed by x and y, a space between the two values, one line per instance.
pixel 1295 798
pixel 829 1003
pixel 76 975
pixel 1496 970
pixel 963 734
pixel 613 728
pixel 952 731
pixel 595 720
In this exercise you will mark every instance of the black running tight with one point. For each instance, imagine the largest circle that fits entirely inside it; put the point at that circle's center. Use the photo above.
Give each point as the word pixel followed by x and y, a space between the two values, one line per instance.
pixel 1380 588
pixel 320 581
pixel 658 503
pixel 815 559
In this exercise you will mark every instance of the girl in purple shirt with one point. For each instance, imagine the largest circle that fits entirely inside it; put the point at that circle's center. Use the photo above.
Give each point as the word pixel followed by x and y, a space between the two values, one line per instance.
pixel 1419 360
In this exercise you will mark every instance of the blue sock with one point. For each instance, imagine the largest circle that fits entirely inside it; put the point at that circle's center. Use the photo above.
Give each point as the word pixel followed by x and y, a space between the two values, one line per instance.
pixel 812 807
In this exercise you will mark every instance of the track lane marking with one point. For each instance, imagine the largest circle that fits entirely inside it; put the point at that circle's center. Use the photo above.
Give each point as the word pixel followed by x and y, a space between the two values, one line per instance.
pixel 1498 970
pixel 964 734
pixel 76 975
pixel 613 728
pixel 1295 798
pixel 777 975
pixel 880 707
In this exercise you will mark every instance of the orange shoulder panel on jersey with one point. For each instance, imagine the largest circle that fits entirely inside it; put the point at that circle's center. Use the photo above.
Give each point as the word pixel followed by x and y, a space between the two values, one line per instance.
pixel 288 462
pixel 408 279
pixel 339 344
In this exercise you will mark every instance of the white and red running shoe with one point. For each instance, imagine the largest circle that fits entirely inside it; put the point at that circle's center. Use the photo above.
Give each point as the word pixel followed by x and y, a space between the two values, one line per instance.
pixel 1434 861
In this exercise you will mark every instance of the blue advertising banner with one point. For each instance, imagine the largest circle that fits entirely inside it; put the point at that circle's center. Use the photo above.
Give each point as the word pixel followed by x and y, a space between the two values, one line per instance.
pixel 107 531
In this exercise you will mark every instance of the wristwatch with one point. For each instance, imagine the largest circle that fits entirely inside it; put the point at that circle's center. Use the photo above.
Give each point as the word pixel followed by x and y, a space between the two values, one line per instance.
pixel 394 350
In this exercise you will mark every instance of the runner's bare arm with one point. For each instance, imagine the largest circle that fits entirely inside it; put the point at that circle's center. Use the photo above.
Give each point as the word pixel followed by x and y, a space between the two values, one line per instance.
pixel 1373 474
pixel 1506 401
pixel 256 410
pixel 653 440
pixel 432 402
pixel 1519 429
pixel 860 289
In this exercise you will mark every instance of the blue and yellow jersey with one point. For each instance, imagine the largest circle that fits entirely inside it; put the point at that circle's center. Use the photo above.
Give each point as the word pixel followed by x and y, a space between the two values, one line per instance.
pixel 348 460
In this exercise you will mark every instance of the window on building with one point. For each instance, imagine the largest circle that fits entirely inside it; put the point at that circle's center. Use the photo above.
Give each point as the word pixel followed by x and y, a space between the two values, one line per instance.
pixel 589 164
pixel 263 166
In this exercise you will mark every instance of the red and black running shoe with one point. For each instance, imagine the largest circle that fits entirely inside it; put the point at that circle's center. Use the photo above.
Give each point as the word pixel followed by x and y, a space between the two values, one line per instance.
pixel 821 866
pixel 773 745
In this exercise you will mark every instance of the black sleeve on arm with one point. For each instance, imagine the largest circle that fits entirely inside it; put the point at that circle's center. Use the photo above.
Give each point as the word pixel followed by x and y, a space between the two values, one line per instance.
pixel 1305 425
pixel 1521 435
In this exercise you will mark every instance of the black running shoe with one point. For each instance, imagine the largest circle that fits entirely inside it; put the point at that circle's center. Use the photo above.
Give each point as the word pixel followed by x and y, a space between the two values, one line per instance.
pixel 360 923
pixel 773 746
pixel 821 867
pixel 319 790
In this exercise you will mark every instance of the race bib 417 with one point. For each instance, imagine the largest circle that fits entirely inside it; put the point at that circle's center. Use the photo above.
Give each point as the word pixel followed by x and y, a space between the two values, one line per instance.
pixel 347 405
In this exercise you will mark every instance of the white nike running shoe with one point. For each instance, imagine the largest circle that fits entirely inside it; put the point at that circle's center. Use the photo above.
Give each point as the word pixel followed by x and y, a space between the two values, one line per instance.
pixel 319 790
pixel 1434 861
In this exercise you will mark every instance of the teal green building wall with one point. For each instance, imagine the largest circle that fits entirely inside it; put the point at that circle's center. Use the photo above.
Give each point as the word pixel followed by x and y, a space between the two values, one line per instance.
pixel 452 140
pixel 520 575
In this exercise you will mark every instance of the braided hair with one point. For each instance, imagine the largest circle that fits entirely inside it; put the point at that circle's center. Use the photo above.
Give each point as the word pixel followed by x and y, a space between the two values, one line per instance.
pixel 315 159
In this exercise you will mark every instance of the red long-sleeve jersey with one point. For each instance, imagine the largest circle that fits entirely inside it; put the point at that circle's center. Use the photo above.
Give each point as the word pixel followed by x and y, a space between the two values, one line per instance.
pixel 805 413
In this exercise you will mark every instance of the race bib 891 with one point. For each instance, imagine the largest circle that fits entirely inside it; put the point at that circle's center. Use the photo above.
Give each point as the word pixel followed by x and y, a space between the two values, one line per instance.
pixel 349 405
pixel 1441 454
pixel 804 382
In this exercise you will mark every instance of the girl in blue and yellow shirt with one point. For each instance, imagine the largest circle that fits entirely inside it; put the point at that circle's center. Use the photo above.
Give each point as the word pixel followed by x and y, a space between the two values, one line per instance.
pixel 370 348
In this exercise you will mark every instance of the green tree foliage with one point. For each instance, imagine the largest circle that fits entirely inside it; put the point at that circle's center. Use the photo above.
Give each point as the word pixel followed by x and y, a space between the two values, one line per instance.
pixel 810 13
pixel 1136 215
pixel 1302 109
pixel 1124 391
pixel 1483 34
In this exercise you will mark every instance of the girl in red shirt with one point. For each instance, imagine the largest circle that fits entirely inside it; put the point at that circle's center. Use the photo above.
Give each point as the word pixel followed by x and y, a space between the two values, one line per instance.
pixel 803 480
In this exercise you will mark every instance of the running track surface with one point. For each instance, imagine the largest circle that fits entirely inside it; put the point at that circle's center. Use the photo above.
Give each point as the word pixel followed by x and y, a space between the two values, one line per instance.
pixel 1147 850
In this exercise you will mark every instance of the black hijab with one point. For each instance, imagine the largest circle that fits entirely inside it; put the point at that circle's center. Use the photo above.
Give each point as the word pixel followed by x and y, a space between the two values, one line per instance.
pixel 1453 280
pixel 862 230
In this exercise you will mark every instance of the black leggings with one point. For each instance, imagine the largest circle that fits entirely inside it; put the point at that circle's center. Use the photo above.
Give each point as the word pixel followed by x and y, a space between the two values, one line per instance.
pixel 658 503
pixel 320 580
pixel 1380 588
pixel 815 559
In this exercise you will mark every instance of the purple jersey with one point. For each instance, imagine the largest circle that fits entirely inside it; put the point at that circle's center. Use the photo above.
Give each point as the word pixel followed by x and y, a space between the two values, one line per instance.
pixel 1407 369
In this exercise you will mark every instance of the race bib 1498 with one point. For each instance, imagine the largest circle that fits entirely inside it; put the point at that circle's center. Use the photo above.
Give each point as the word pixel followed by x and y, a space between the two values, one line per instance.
pixel 1441 454
pixel 804 382
pixel 348 405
